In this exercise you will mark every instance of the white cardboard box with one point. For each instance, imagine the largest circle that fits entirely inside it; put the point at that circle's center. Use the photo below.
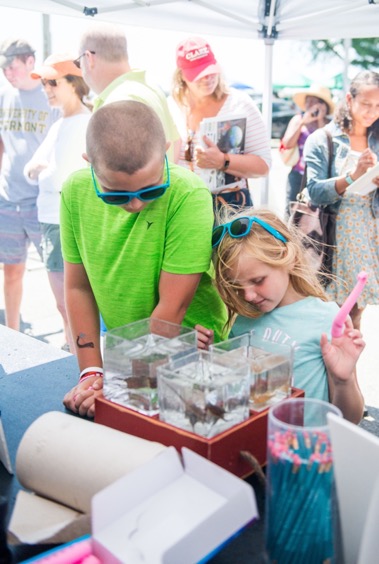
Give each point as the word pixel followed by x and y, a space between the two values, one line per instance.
pixel 356 468
pixel 168 512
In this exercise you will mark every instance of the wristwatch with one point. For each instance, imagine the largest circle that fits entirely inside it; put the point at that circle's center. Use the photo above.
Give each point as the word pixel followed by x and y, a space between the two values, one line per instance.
pixel 348 179
pixel 226 162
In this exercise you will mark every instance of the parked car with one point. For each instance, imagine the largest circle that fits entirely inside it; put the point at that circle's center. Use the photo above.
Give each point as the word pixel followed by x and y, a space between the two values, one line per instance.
pixel 282 110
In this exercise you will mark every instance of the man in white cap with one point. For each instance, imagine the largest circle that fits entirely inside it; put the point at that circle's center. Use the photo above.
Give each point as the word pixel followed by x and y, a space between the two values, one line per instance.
pixel 24 122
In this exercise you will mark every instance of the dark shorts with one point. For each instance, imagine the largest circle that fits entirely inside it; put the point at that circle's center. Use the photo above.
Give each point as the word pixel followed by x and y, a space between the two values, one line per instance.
pixel 51 247
pixel 19 226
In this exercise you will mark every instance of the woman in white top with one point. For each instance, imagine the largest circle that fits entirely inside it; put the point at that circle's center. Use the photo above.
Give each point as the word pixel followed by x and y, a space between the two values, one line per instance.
pixel 58 156
pixel 199 92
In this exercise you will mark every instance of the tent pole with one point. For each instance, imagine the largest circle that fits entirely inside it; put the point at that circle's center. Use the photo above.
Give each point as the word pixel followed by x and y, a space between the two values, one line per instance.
pixel 267 106
pixel 46 35
pixel 347 45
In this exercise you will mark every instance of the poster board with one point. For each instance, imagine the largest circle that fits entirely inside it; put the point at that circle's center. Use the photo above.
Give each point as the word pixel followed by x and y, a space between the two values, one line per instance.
pixel 229 134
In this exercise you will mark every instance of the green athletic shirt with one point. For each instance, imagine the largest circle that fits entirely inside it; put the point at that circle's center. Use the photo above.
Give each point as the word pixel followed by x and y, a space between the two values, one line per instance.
pixel 124 253
pixel 134 85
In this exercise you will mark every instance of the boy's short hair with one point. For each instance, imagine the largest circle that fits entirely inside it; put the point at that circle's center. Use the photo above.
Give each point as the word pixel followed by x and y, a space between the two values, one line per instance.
pixel 124 136
pixel 11 49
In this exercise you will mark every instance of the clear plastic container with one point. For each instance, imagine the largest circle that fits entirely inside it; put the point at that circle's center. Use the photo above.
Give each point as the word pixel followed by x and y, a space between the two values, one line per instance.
pixel 204 394
pixel 271 367
pixel 132 354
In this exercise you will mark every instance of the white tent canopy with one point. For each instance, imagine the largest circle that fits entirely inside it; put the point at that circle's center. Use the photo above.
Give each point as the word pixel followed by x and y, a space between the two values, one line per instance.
pixel 270 20
pixel 280 19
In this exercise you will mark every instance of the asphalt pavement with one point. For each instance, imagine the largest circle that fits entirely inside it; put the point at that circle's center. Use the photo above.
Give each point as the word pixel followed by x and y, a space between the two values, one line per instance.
pixel 41 320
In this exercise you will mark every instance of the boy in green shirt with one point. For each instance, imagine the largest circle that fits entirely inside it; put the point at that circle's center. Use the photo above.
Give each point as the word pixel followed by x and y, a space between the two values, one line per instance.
pixel 136 239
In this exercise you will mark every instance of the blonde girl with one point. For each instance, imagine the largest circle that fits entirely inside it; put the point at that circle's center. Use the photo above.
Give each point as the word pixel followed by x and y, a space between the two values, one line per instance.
pixel 263 276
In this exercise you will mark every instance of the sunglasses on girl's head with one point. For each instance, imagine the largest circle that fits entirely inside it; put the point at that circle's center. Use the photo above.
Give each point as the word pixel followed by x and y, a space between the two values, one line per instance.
pixel 51 82
pixel 240 227
pixel 122 198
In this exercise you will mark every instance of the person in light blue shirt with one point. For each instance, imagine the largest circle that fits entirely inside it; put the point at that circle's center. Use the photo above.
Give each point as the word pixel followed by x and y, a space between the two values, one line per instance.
pixel 264 279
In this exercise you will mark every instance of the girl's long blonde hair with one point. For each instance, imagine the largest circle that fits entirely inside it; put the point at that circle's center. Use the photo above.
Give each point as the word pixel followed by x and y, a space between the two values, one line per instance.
pixel 262 246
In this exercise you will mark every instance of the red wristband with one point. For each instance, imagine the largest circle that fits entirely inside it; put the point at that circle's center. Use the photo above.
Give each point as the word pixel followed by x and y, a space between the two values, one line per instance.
pixel 90 374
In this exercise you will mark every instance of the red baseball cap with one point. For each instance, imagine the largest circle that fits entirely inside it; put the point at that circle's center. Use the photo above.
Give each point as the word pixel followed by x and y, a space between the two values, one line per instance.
pixel 195 58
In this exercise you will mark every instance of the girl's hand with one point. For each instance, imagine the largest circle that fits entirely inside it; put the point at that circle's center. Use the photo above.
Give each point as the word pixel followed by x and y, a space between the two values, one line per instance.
pixel 342 353
pixel 205 337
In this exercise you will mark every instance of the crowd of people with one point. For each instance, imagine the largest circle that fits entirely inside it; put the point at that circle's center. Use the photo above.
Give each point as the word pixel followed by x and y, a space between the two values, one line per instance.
pixel 115 199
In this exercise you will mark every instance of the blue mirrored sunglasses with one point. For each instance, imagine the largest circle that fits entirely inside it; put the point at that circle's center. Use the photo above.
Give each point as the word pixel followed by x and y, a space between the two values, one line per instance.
pixel 122 198
pixel 240 227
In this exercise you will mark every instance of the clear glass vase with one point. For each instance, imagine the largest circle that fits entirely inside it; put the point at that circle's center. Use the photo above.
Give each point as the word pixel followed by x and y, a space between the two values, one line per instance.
pixel 301 512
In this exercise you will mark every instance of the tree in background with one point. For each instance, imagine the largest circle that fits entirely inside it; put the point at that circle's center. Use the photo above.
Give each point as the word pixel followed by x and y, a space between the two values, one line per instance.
pixel 365 56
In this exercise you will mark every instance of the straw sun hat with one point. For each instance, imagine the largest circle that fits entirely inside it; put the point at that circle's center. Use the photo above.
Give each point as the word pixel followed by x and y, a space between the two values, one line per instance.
pixel 315 90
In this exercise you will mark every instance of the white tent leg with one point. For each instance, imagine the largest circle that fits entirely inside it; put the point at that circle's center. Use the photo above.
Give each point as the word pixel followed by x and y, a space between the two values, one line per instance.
pixel 347 45
pixel 267 107
pixel 46 35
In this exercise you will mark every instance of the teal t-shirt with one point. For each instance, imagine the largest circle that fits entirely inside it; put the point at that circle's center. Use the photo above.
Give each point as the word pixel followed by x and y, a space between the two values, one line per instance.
pixel 124 253
pixel 300 325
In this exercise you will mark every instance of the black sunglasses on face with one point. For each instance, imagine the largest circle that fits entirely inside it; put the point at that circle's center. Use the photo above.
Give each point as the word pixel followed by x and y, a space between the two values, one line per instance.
pixel 77 61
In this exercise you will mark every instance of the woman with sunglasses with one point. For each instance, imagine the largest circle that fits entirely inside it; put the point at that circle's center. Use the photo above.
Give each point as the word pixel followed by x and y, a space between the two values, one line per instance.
pixel 263 277
pixel 58 156
pixel 199 92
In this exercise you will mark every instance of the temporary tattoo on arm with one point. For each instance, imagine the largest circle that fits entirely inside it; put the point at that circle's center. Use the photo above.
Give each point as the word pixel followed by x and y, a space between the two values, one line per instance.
pixel 84 345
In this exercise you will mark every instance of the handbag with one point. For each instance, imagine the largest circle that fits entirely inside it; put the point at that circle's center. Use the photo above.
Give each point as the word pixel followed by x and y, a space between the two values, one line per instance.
pixel 318 224
pixel 234 198
pixel 289 156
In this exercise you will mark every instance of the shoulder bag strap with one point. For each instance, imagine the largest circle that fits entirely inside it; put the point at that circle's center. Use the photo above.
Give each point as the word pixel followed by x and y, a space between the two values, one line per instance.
pixel 330 151
pixel 330 161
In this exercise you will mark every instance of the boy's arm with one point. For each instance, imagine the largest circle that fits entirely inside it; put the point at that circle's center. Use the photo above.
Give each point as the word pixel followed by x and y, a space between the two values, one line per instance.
pixel 340 358
pixel 84 321
pixel 176 292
